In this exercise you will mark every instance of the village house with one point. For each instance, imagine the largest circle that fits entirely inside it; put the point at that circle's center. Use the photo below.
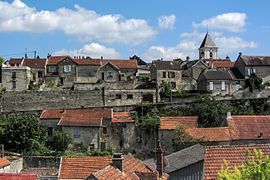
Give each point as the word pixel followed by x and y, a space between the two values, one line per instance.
pixel 11 163
pixel 220 63
pixel 167 72
pixel 220 81
pixel 92 128
pixel 259 65
pixel 117 166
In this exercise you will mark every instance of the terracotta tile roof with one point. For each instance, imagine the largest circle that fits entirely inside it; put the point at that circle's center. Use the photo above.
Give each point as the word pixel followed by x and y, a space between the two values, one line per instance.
pixel 83 167
pixel 214 157
pixel 54 60
pixel 94 62
pixel 256 60
pixel 84 117
pixel 171 123
pixel 52 114
pixel 122 64
pixel 122 117
pixel 249 127
pixel 35 63
pixel 217 134
pixel 220 63
pixel 17 176
pixel 4 162
pixel 15 61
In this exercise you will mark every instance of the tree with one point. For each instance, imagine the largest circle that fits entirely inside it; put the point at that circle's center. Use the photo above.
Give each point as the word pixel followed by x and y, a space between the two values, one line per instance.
pixel 254 82
pixel 257 168
pixel 182 140
pixel 23 134
pixel 2 60
pixel 61 141
pixel 150 122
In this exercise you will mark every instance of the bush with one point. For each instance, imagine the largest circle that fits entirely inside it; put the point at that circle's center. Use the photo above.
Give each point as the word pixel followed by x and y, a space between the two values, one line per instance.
pixel 60 141
pixel 254 82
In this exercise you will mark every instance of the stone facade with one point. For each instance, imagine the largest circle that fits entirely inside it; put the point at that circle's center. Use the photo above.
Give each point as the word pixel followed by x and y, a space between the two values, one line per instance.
pixel 16 78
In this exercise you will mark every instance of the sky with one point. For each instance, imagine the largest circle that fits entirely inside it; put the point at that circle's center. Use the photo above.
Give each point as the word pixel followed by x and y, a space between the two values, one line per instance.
pixel 118 29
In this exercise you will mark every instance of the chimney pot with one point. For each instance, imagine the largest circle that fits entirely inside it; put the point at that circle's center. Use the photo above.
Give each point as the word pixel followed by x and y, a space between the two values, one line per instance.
pixel 159 156
pixel 118 161
pixel 240 53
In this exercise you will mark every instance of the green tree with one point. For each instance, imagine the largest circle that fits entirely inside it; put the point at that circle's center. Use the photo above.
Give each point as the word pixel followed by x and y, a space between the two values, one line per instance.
pixel 60 141
pixel 254 82
pixel 182 140
pixel 2 60
pixel 256 168
pixel 150 122
pixel 22 134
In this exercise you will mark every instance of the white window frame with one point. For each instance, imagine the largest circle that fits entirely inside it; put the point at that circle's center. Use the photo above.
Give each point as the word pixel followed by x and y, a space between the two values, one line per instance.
pixel 67 68
pixel 223 86
pixel 211 85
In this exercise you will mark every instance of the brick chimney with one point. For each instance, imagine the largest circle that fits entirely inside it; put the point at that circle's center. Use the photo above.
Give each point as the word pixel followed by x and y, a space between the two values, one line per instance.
pixel 2 150
pixel 118 161
pixel 159 156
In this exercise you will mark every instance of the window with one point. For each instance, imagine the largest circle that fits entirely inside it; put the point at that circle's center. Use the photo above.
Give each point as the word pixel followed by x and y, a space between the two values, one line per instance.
pixel 211 86
pixel 40 74
pixel 251 71
pixel 223 87
pixel 13 75
pixel 164 75
pixel 103 146
pixel 67 68
pixel 104 130
pixel 118 96
pixel 102 75
pixel 211 55
pixel 52 69
pixel 238 86
pixel 50 131
pixel 173 85
pixel 92 147
pixel 109 75
pixel 34 77
pixel 171 74
pixel 13 84
pixel 130 96
pixel 77 132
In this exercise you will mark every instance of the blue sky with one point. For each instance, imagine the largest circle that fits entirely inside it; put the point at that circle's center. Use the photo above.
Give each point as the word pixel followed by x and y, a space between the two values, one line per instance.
pixel 118 29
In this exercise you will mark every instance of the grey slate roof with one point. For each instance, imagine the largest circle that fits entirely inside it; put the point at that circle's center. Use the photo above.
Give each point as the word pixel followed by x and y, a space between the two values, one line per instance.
pixel 218 74
pixel 256 60
pixel 208 41
pixel 167 65
pixel 180 159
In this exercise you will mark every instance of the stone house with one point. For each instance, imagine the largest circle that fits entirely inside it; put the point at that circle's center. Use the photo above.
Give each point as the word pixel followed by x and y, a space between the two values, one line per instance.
pixel 220 81
pixel 220 63
pixel 16 78
pixel 91 128
pixel 167 71
pixel 190 73
pixel 260 65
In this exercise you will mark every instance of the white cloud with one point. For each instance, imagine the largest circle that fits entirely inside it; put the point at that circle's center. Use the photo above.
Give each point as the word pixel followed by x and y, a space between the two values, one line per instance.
pixel 233 22
pixel 93 50
pixel 166 22
pixel 81 22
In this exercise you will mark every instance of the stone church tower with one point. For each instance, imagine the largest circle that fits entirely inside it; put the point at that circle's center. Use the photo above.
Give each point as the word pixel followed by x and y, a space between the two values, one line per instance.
pixel 208 49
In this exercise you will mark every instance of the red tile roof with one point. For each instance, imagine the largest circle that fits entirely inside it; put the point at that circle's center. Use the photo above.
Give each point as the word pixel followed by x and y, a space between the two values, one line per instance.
pixel 214 157
pixel 17 176
pixel 122 64
pixel 101 167
pixel 249 127
pixel 122 117
pixel 220 63
pixel 54 60
pixel 217 134
pixel 84 117
pixel 15 61
pixel 52 114
pixel 4 162
pixel 94 62
pixel 171 123
pixel 256 60
pixel 35 63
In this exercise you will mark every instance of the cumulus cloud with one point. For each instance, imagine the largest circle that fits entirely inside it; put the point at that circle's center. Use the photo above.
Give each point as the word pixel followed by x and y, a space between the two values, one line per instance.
pixel 93 50
pixel 233 22
pixel 166 22
pixel 81 22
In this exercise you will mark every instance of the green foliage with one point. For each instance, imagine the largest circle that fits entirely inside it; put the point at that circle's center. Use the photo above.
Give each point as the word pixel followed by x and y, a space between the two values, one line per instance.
pixel 60 141
pixel 51 84
pixel 182 140
pixel 254 82
pixel 267 83
pixel 22 134
pixel 257 168
pixel 150 122
pixel 2 60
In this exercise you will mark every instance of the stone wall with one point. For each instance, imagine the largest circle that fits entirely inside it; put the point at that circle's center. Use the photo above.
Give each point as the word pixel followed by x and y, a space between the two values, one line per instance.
pixel 40 161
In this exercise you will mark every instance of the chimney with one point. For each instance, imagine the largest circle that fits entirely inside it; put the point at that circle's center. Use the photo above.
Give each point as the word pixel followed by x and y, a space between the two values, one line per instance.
pixel 2 150
pixel 227 58
pixel 118 161
pixel 187 58
pixel 159 156
pixel 240 53
pixel 101 57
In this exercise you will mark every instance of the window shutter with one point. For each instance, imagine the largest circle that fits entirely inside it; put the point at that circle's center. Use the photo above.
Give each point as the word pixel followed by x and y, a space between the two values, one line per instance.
pixel 211 84
pixel 249 72
pixel 223 87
